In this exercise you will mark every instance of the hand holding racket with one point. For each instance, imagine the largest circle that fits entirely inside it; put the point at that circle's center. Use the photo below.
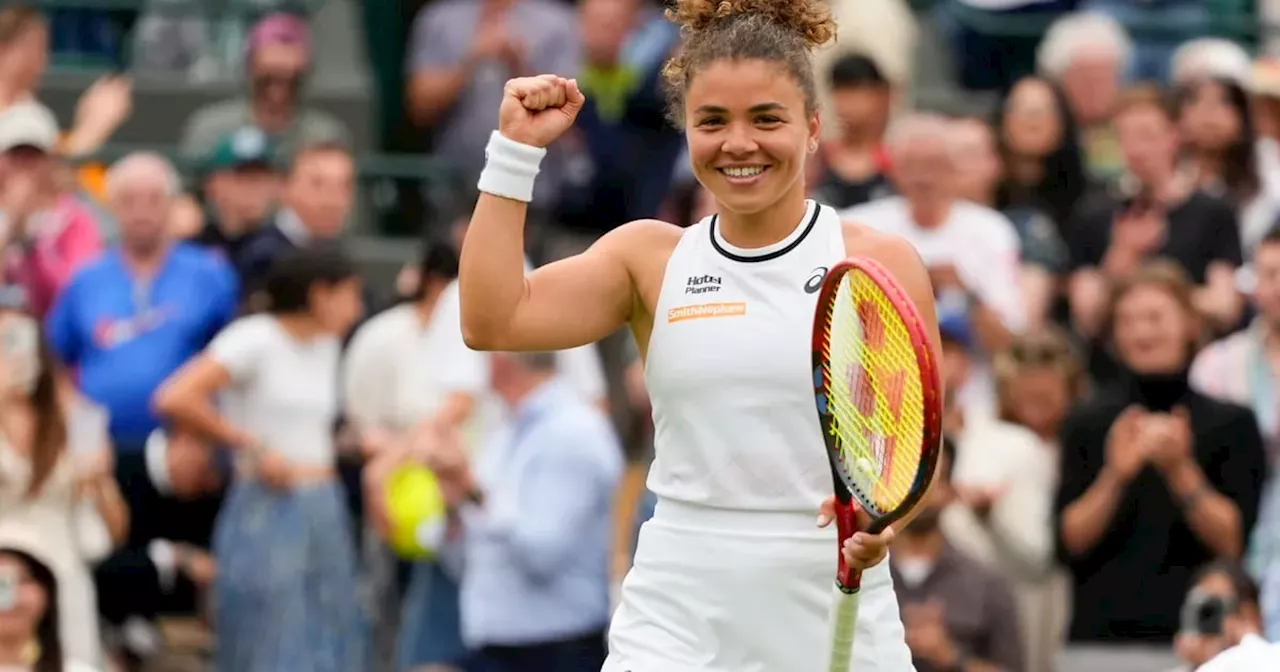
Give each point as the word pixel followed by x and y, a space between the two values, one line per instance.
pixel 879 401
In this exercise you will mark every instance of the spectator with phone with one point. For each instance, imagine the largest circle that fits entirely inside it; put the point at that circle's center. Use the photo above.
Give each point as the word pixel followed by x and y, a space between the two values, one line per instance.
pixel 30 640
pixel 55 474
pixel 1220 612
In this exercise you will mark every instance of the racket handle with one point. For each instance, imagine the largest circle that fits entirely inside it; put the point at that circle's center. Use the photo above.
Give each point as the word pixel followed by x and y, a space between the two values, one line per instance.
pixel 844 620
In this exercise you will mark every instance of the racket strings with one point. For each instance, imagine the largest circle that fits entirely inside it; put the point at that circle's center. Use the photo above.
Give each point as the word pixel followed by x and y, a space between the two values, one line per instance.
pixel 875 393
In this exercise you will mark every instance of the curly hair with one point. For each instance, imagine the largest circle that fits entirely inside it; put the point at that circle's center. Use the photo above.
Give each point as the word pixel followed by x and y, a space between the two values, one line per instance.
pixel 780 31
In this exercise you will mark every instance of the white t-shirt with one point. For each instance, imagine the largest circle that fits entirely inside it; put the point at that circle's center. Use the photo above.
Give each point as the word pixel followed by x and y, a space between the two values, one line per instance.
pixel 398 371
pixel 981 244
pixel 283 391
pixel 1252 654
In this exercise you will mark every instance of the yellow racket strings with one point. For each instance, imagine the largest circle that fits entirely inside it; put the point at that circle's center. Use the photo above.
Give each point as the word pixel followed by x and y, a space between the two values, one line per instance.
pixel 873 391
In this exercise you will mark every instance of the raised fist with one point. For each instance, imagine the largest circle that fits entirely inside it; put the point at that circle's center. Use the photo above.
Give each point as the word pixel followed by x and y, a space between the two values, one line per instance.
pixel 537 110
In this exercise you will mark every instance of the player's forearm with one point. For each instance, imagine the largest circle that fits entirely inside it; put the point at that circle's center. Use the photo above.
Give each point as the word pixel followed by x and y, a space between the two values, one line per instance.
pixel 491 280
pixel 1086 520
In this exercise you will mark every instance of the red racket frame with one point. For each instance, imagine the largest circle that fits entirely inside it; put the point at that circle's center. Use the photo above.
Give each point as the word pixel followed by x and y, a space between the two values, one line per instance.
pixel 848 578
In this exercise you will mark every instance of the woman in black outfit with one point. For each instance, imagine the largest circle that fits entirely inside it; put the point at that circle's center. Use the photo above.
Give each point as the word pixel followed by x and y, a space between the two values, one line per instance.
pixel 1156 480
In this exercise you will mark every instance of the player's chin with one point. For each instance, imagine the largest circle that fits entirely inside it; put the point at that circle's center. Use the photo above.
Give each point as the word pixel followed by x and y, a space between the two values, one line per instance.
pixel 747 199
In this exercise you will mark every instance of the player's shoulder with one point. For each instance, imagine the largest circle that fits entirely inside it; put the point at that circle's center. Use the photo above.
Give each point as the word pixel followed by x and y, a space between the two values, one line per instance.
pixel 641 239
pixel 890 249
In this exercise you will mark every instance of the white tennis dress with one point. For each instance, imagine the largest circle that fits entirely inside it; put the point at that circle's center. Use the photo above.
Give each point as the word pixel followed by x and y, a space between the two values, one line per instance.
pixel 732 574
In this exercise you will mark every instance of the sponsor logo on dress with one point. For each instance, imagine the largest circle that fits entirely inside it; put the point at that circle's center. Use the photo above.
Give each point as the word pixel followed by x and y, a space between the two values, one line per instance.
pixel 702 284
pixel 705 310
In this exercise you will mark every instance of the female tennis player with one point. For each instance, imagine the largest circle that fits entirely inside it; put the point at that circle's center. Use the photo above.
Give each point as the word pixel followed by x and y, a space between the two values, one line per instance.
pixel 731 573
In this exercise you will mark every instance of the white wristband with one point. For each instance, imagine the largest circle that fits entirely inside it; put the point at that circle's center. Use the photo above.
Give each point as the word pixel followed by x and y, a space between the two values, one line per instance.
pixel 510 168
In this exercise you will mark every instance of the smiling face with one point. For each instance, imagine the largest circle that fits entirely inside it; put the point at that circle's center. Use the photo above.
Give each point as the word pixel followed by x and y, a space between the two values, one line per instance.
pixel 749 131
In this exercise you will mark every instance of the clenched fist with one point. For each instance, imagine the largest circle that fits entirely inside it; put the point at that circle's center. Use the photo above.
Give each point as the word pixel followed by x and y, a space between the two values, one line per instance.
pixel 537 110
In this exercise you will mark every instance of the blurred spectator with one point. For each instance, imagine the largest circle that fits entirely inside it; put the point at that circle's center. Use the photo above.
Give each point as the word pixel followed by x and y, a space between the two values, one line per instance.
pixel 1264 89
pixel 1153 210
pixel 621 166
pixel 1220 611
pixel 1155 479
pixel 164 567
pixel 1005 473
pixel 29 598
pixel 1087 54
pixel 131 318
pixel 958 614
pixel 315 204
pixel 1040 149
pixel 1209 58
pixel 407 376
pixel 462 52
pixel 971 250
pixel 45 235
pixel 284 594
pixel 24 55
pixel 241 186
pixel 1177 20
pixel 988 57
pixel 278 62
pixel 1244 369
pixel 535 557
pixel 978 175
pixel 851 166
pixel 1220 152
pixel 55 476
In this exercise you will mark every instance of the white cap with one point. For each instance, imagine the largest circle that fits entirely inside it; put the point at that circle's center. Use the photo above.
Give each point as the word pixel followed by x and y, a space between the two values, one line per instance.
pixel 28 124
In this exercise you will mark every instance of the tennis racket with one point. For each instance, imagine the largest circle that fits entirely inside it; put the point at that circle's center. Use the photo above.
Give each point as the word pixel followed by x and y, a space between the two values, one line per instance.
pixel 880 404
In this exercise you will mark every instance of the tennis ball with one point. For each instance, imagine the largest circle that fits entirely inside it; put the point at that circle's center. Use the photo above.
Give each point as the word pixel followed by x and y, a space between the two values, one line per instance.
pixel 416 512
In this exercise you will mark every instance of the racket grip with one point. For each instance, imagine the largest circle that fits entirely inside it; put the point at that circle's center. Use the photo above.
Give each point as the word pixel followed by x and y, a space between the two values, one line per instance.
pixel 844 620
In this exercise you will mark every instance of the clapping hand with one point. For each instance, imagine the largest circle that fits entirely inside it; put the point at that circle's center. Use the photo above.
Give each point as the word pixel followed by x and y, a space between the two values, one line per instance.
pixel 1168 439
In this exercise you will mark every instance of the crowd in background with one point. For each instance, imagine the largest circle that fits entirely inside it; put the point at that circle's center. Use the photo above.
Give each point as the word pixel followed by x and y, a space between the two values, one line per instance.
pixel 202 404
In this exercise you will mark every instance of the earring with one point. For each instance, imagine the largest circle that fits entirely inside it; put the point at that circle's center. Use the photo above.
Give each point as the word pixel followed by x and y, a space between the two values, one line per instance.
pixel 813 146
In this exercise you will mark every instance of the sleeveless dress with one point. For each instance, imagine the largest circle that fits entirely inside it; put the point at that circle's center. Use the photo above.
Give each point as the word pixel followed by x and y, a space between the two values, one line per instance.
pixel 731 574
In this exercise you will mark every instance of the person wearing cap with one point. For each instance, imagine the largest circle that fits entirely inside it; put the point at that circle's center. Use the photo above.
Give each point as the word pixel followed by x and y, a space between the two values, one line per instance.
pixel 277 62
pixel 29 635
pixel 46 235
pixel 240 188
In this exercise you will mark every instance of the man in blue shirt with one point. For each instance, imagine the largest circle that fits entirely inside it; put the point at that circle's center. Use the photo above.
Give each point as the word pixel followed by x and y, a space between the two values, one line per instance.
pixel 535 581
pixel 124 323
pixel 128 320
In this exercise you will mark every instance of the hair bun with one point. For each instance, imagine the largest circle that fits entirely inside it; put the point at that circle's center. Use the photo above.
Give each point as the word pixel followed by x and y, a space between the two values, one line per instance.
pixel 810 19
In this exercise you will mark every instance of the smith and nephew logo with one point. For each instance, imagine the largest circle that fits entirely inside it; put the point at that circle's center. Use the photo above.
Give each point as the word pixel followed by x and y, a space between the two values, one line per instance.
pixel 702 284
pixel 705 310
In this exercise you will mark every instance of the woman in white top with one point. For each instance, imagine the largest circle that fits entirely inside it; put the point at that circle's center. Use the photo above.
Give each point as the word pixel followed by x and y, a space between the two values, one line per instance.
pixel 284 596
pixel 30 640
pixel 731 573
pixel 1006 472
pixel 407 375
pixel 56 477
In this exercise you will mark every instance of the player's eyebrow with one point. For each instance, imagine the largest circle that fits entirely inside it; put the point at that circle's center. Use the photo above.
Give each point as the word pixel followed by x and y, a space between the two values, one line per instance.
pixel 754 109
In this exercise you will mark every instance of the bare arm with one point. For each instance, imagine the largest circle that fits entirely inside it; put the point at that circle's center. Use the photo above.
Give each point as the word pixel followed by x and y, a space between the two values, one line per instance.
pixel 432 92
pixel 1218 300
pixel 187 398
pixel 1212 516
pixel 110 505
pixel 565 304
pixel 1087 519
pixel 1038 288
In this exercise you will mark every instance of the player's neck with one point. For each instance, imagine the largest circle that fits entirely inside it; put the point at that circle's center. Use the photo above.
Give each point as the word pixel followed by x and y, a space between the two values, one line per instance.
pixel 768 226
